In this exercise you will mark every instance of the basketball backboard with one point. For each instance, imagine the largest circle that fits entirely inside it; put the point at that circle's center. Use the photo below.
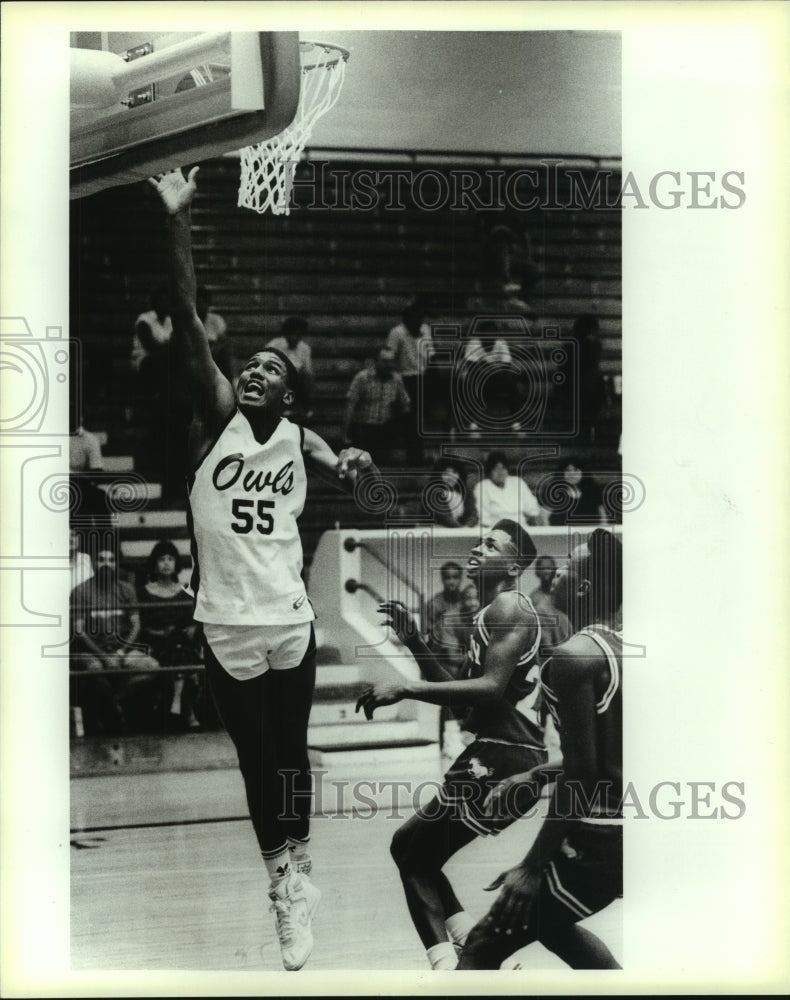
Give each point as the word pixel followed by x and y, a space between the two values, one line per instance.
pixel 174 98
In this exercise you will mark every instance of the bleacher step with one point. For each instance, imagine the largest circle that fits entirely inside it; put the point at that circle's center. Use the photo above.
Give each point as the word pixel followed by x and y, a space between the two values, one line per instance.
pixel 349 735
pixel 341 711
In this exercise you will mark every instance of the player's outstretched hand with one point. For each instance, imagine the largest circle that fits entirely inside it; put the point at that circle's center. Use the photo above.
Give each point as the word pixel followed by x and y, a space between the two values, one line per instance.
pixel 175 191
pixel 399 619
pixel 351 459
pixel 512 911
pixel 378 696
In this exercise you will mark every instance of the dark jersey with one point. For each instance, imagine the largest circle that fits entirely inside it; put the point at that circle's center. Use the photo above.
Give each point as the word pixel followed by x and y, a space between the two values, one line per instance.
pixel 608 716
pixel 499 718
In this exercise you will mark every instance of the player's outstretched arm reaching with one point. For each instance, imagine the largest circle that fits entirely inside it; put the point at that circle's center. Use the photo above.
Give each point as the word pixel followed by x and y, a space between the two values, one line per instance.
pixel 404 625
pixel 248 486
pixel 212 394
pixel 512 633
pixel 500 672
pixel 507 627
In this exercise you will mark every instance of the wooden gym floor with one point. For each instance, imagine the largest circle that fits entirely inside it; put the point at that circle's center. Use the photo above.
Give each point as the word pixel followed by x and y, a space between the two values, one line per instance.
pixel 165 875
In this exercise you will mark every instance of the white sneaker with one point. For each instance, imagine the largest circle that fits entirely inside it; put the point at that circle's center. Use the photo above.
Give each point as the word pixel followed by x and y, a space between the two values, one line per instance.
pixel 294 901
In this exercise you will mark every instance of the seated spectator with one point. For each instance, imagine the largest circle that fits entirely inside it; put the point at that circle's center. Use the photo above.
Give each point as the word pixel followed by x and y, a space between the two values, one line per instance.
pixel 85 458
pixel 79 562
pixel 162 406
pixel 554 624
pixel 500 495
pixel 168 629
pixel 488 374
pixel 105 626
pixel 216 330
pixel 578 497
pixel 152 332
pixel 447 498
pixel 84 451
pixel 377 401
pixel 292 343
pixel 408 342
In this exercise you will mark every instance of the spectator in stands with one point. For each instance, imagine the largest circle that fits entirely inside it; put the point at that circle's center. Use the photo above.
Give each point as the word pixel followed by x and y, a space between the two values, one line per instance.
pixel 152 332
pixel 162 406
pixel 506 253
pixel 447 498
pixel 292 343
pixel 579 498
pixel 488 373
pixel 592 384
pixel 85 453
pixel 105 627
pixel 441 619
pixel 554 624
pixel 79 562
pixel 169 630
pixel 216 330
pixel 500 495
pixel 545 567
pixel 444 605
pixel 85 458
pixel 377 402
pixel 408 341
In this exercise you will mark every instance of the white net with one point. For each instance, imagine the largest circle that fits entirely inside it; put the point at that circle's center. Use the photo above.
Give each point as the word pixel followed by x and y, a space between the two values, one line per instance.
pixel 267 169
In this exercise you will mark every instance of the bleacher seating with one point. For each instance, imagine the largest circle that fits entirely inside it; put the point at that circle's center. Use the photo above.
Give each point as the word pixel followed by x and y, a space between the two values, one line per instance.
pixel 349 272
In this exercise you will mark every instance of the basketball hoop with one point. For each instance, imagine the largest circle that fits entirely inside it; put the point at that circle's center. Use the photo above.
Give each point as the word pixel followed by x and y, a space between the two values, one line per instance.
pixel 267 169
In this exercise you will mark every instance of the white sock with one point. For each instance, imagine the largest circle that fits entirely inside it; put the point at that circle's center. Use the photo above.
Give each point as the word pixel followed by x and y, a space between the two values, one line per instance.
pixel 442 956
pixel 458 926
pixel 278 865
pixel 178 687
pixel 300 859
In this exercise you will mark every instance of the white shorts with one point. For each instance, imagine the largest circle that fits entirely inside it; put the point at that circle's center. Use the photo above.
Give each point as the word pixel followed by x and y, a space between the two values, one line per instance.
pixel 247 651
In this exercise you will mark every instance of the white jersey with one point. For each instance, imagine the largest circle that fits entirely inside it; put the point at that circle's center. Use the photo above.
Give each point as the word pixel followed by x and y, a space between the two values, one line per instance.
pixel 244 500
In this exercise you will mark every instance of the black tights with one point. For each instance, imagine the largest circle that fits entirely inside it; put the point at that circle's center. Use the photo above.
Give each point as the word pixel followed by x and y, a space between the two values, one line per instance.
pixel 266 718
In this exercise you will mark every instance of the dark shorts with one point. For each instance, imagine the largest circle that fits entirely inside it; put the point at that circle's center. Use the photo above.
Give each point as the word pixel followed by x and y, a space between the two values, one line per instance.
pixel 481 767
pixel 586 874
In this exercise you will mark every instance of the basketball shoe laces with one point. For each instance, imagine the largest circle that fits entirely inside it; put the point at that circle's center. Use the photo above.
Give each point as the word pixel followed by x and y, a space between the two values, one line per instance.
pixel 283 910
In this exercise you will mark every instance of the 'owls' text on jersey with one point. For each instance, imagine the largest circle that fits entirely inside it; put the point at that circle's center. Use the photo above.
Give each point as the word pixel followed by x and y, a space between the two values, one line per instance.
pixel 499 718
pixel 244 500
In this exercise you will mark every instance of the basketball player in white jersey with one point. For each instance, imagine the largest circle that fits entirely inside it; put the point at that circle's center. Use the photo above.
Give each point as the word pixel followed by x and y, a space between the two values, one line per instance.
pixel 247 488
pixel 575 865
pixel 501 671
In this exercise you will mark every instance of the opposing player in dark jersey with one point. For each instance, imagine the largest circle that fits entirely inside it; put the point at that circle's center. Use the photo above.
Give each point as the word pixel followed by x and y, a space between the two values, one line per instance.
pixel 247 488
pixel 575 865
pixel 501 671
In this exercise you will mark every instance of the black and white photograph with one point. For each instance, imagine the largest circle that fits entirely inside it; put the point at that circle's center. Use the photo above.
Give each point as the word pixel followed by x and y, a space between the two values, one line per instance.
pixel 419 369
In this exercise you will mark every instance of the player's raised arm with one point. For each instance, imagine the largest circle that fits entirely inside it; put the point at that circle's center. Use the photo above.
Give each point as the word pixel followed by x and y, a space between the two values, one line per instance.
pixel 402 623
pixel 344 469
pixel 212 392
pixel 512 629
